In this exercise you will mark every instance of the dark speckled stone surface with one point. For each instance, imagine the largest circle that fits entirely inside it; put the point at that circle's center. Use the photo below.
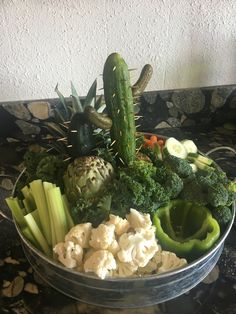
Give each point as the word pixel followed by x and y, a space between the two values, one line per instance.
pixel 206 116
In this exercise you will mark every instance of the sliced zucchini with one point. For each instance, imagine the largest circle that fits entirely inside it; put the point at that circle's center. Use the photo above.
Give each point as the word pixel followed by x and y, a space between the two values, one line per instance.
pixel 189 146
pixel 175 148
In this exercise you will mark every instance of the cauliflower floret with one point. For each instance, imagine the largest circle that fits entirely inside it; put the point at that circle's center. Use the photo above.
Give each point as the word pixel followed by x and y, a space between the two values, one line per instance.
pixel 80 234
pixel 152 265
pixel 139 220
pixel 114 247
pixel 102 237
pixel 101 263
pixel 69 253
pixel 124 270
pixel 170 261
pixel 147 234
pixel 121 225
pixel 135 249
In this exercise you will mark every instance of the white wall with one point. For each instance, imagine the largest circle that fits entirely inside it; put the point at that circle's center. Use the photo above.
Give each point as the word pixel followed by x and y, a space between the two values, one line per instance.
pixel 42 42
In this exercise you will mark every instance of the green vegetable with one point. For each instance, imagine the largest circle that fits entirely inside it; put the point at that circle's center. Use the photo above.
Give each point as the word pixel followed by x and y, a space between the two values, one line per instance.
pixel 193 191
pixel 31 160
pixel 80 136
pixel 51 168
pixel 222 214
pixel 137 187
pixel 231 188
pixel 88 178
pixel 189 146
pixel 37 234
pixel 58 215
pixel 175 148
pixel 170 181
pixel 17 211
pixel 206 178
pixel 186 228
pixel 95 213
pixel 217 195
pixel 143 80
pixel 120 107
pixel 49 222
pixel 37 189
pixel 178 165
pixel 101 120
pixel 28 200
pixel 202 162
pixel 28 235
pixel 173 184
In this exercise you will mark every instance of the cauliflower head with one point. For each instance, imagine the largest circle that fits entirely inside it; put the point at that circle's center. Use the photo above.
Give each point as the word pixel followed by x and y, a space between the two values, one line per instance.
pixel 100 262
pixel 80 234
pixel 170 261
pixel 139 220
pixel 69 253
pixel 102 237
pixel 135 249
pixel 121 225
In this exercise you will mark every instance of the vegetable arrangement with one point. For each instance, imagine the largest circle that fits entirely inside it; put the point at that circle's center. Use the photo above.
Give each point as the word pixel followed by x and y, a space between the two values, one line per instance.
pixel 109 199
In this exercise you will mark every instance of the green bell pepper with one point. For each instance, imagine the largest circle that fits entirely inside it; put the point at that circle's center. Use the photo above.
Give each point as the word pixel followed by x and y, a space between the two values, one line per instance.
pixel 186 228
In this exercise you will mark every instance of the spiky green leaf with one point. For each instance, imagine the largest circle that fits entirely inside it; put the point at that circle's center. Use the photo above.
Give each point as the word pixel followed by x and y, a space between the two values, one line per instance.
pixel 54 128
pixel 91 95
pixel 77 106
pixel 98 102
pixel 63 102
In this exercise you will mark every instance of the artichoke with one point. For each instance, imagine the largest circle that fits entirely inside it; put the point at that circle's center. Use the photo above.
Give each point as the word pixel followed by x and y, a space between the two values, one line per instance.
pixel 87 177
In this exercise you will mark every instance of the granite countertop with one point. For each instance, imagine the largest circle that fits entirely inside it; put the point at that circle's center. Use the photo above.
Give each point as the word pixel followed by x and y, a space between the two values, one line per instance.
pixel 215 295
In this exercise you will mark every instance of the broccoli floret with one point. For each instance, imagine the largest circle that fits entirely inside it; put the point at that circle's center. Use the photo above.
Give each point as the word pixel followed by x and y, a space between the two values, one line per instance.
pixel 217 195
pixel 206 179
pixel 136 187
pixel 173 184
pixel 178 165
pixel 231 188
pixel 222 214
pixel 221 175
pixel 161 173
pixel 51 169
pixel 193 192
pixel 170 181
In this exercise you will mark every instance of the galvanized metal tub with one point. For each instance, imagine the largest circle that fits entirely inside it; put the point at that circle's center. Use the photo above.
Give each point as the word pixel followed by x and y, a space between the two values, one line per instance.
pixel 120 292
pixel 123 292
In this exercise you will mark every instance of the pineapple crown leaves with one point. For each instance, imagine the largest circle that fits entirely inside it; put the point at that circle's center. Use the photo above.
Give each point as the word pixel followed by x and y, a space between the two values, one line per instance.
pixel 92 107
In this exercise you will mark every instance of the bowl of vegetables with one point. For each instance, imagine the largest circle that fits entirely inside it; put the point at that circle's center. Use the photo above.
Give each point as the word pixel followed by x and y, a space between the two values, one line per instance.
pixel 117 218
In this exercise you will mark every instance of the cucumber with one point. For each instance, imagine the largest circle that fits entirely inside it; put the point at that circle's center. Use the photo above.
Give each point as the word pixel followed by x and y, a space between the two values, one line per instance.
pixel 120 107
pixel 189 146
pixel 193 157
pixel 175 148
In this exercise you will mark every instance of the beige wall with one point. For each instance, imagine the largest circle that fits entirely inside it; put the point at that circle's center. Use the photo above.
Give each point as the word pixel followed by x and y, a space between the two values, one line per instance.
pixel 42 42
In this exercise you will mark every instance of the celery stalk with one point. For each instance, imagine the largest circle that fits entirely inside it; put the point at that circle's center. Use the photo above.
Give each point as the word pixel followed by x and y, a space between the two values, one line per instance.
pixel 29 236
pixel 58 213
pixel 27 205
pixel 47 186
pixel 16 210
pixel 26 191
pixel 69 219
pixel 34 228
pixel 35 214
pixel 37 189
